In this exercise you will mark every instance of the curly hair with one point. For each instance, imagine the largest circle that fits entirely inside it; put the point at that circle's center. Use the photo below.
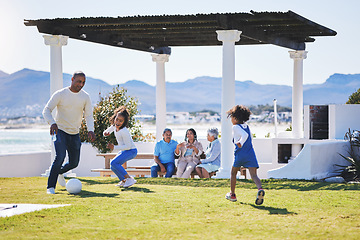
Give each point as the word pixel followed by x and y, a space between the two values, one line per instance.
pixel 240 113
pixel 122 111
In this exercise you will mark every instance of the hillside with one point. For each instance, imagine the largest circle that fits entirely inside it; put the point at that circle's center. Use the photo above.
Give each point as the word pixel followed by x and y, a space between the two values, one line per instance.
pixel 3 74
pixel 24 93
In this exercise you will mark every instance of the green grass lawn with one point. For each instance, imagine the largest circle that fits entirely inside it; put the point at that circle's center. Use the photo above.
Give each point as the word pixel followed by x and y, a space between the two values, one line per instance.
pixel 183 209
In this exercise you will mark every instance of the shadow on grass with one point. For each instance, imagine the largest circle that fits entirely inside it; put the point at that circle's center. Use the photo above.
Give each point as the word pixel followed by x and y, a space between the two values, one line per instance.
pixel 88 194
pixel 306 185
pixel 272 210
pixel 138 189
pixel 95 181
pixel 269 184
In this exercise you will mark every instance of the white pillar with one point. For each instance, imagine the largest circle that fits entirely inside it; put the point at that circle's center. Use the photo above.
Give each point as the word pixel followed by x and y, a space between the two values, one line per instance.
pixel 160 60
pixel 228 38
pixel 297 99
pixel 56 73
pixel 275 117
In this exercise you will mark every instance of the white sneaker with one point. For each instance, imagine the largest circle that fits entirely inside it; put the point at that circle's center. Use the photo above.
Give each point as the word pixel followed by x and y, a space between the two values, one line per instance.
pixel 120 184
pixel 61 180
pixel 129 182
pixel 50 191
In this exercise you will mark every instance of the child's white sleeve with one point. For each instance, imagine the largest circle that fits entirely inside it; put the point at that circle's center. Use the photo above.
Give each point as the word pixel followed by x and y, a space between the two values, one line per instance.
pixel 126 142
pixel 109 130
pixel 239 135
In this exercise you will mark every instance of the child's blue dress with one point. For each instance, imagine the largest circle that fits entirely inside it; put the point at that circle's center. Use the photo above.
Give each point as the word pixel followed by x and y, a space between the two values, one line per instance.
pixel 245 156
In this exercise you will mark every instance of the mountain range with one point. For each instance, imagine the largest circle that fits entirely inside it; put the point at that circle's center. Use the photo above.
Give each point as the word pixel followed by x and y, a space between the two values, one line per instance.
pixel 25 93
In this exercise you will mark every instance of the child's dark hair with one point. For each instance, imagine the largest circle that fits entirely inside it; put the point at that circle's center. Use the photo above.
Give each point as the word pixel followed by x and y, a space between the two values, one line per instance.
pixel 193 131
pixel 123 112
pixel 240 113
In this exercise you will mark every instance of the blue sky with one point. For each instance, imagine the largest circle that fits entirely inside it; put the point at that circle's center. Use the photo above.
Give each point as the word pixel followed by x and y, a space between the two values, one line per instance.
pixel 23 47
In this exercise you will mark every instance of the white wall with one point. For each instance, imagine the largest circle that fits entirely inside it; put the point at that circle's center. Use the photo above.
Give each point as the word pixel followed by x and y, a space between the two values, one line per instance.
pixel 343 117
pixel 315 161
pixel 264 153
pixel 24 164
pixel 263 149
pixel 34 164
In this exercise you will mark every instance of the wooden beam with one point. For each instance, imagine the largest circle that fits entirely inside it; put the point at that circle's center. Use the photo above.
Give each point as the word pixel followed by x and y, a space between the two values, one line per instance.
pixel 263 37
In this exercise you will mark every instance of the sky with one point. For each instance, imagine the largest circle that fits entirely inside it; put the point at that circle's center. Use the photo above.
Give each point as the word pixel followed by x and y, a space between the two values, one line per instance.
pixel 23 47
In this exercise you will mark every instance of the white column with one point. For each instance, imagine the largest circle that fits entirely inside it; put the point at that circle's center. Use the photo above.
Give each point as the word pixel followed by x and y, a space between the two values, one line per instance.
pixel 228 38
pixel 56 73
pixel 160 60
pixel 297 99
pixel 275 116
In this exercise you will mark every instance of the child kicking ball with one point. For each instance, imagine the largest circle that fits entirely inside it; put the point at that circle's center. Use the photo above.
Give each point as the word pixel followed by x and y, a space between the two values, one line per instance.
pixel 244 152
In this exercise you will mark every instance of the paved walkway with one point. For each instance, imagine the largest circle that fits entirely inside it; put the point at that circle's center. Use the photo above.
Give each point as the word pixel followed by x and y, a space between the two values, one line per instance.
pixel 8 210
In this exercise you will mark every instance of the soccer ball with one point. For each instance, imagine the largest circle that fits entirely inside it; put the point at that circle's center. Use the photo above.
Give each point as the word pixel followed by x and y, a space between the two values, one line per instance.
pixel 73 186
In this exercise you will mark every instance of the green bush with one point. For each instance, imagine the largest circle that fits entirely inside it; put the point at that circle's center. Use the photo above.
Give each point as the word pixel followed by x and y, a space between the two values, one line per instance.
pixel 351 172
pixel 354 98
pixel 104 110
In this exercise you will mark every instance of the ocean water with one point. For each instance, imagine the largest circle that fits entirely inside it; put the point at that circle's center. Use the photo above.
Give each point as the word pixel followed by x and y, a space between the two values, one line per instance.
pixel 38 139
pixel 24 140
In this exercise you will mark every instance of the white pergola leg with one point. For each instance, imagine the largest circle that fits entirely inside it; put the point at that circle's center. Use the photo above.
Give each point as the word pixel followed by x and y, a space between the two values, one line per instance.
pixel 56 74
pixel 275 116
pixel 297 99
pixel 160 60
pixel 228 38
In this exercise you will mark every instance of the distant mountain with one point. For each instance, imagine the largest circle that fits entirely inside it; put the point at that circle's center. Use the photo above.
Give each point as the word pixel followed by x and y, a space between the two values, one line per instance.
pixel 25 93
pixel 3 74
pixel 336 89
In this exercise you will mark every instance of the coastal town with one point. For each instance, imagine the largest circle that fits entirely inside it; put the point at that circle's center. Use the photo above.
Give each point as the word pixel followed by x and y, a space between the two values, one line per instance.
pixel 213 117
pixel 171 118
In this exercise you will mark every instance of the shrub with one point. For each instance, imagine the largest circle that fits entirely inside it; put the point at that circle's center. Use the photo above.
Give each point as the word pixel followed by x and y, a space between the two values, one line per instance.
pixel 351 172
pixel 354 98
pixel 104 110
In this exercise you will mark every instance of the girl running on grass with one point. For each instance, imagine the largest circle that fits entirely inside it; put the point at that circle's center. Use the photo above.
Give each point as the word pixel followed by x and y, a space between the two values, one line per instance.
pixel 244 152
pixel 127 148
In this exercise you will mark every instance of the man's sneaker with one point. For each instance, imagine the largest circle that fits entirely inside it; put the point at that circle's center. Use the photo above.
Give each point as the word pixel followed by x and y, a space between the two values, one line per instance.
pixel 129 182
pixel 61 180
pixel 120 184
pixel 231 197
pixel 50 191
pixel 260 197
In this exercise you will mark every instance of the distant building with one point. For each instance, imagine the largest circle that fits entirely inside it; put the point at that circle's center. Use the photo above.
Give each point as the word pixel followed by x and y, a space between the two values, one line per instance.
pixel 144 118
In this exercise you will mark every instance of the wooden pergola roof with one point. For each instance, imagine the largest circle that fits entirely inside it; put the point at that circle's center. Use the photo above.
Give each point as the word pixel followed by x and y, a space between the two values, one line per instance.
pixel 157 34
